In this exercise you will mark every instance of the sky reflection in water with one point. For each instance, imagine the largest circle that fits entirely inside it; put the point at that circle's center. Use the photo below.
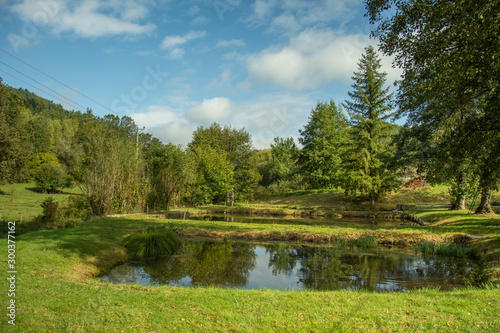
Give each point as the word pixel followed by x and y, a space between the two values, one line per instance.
pixel 291 267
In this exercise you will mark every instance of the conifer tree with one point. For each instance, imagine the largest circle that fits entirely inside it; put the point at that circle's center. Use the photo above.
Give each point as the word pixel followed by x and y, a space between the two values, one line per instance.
pixel 371 135
pixel 323 139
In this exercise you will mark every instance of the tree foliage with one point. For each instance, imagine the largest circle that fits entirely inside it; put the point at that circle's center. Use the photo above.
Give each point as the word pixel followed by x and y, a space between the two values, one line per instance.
pixel 324 139
pixel 169 171
pixel 15 138
pixel 111 172
pixel 449 53
pixel 214 175
pixel 237 146
pixel 371 146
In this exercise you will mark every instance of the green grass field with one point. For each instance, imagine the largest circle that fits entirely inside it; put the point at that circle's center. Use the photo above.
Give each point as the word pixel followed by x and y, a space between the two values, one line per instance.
pixel 22 201
pixel 56 290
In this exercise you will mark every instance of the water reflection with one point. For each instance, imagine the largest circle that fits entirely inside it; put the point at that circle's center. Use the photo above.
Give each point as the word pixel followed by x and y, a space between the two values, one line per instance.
pixel 282 266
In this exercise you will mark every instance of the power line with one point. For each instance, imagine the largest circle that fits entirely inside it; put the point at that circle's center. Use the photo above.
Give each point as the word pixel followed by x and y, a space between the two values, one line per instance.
pixel 58 81
pixel 41 90
pixel 42 84
pixel 49 76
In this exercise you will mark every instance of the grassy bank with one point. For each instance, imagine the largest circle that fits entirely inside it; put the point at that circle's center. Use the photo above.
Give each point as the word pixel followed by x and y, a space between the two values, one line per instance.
pixel 55 292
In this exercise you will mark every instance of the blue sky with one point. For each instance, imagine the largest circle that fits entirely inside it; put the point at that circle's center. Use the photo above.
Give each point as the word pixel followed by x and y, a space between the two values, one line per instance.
pixel 176 65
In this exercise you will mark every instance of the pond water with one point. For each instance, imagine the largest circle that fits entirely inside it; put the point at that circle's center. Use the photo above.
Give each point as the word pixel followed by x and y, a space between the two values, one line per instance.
pixel 292 267
pixel 266 219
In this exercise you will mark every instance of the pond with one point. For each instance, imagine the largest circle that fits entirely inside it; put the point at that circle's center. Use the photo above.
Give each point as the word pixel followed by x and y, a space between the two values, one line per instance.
pixel 293 267
pixel 331 221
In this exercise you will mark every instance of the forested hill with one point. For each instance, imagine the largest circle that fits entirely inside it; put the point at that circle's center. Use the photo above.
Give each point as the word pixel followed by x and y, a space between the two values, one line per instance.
pixel 118 168
pixel 41 105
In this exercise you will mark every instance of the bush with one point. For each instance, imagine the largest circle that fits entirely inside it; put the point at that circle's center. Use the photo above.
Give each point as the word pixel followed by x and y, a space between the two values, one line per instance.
pixel 51 177
pixel 50 210
pixel 78 207
pixel 152 242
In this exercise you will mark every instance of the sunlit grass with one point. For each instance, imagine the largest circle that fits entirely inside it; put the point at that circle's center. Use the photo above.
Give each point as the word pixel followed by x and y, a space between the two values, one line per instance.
pixel 56 293
pixel 22 201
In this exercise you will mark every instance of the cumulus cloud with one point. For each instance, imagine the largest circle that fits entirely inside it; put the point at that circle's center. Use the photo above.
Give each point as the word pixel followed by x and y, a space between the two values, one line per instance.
pixel 88 18
pixel 311 58
pixel 291 16
pixel 231 42
pixel 171 42
pixel 266 117
pixel 166 123
pixel 210 111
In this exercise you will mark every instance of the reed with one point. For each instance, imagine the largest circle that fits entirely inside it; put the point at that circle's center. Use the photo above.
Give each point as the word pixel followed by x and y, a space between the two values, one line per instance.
pixel 152 242
pixel 448 250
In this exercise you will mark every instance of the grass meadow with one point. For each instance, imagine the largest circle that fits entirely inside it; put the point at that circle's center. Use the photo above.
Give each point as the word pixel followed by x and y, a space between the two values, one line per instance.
pixel 56 289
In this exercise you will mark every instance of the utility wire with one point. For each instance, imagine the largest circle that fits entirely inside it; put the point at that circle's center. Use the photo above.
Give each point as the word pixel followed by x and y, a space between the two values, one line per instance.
pixel 42 84
pixel 76 91
pixel 51 77
pixel 43 91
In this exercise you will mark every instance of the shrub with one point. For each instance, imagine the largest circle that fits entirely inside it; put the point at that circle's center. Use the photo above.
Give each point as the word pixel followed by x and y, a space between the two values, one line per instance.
pixel 152 242
pixel 50 210
pixel 51 177
pixel 78 207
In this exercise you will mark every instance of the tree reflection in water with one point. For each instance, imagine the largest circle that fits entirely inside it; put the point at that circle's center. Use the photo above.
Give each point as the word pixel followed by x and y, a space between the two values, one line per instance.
pixel 233 265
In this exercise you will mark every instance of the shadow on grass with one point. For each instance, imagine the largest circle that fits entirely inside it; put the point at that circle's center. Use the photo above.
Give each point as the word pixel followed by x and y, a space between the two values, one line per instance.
pixel 39 191
pixel 460 221
pixel 94 242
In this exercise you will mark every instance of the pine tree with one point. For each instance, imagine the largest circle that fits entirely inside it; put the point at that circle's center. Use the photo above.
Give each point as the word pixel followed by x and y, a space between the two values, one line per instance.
pixel 371 134
pixel 323 139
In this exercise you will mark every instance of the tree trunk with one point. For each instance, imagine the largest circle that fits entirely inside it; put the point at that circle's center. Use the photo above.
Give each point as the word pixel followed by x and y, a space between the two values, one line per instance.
pixel 459 203
pixel 485 204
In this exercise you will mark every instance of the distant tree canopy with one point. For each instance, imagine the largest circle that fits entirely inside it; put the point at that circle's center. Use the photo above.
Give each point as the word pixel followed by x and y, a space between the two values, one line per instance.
pixel 237 147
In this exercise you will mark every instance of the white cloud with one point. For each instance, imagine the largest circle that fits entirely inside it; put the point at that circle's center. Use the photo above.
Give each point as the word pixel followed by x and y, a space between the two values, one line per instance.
pixel 311 59
pixel 285 23
pixel 193 10
pixel 200 20
pixel 167 124
pixel 231 42
pixel 171 42
pixel 265 117
pixel 88 18
pixel 211 110
pixel 281 16
pixel 177 53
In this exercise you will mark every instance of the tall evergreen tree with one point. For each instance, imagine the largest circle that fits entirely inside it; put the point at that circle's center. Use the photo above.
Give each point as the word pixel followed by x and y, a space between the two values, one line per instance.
pixel 371 134
pixel 323 138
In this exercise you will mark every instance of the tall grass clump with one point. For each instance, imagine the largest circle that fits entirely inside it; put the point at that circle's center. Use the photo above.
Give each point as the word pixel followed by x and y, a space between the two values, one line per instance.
pixel 364 242
pixel 152 242
pixel 448 250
